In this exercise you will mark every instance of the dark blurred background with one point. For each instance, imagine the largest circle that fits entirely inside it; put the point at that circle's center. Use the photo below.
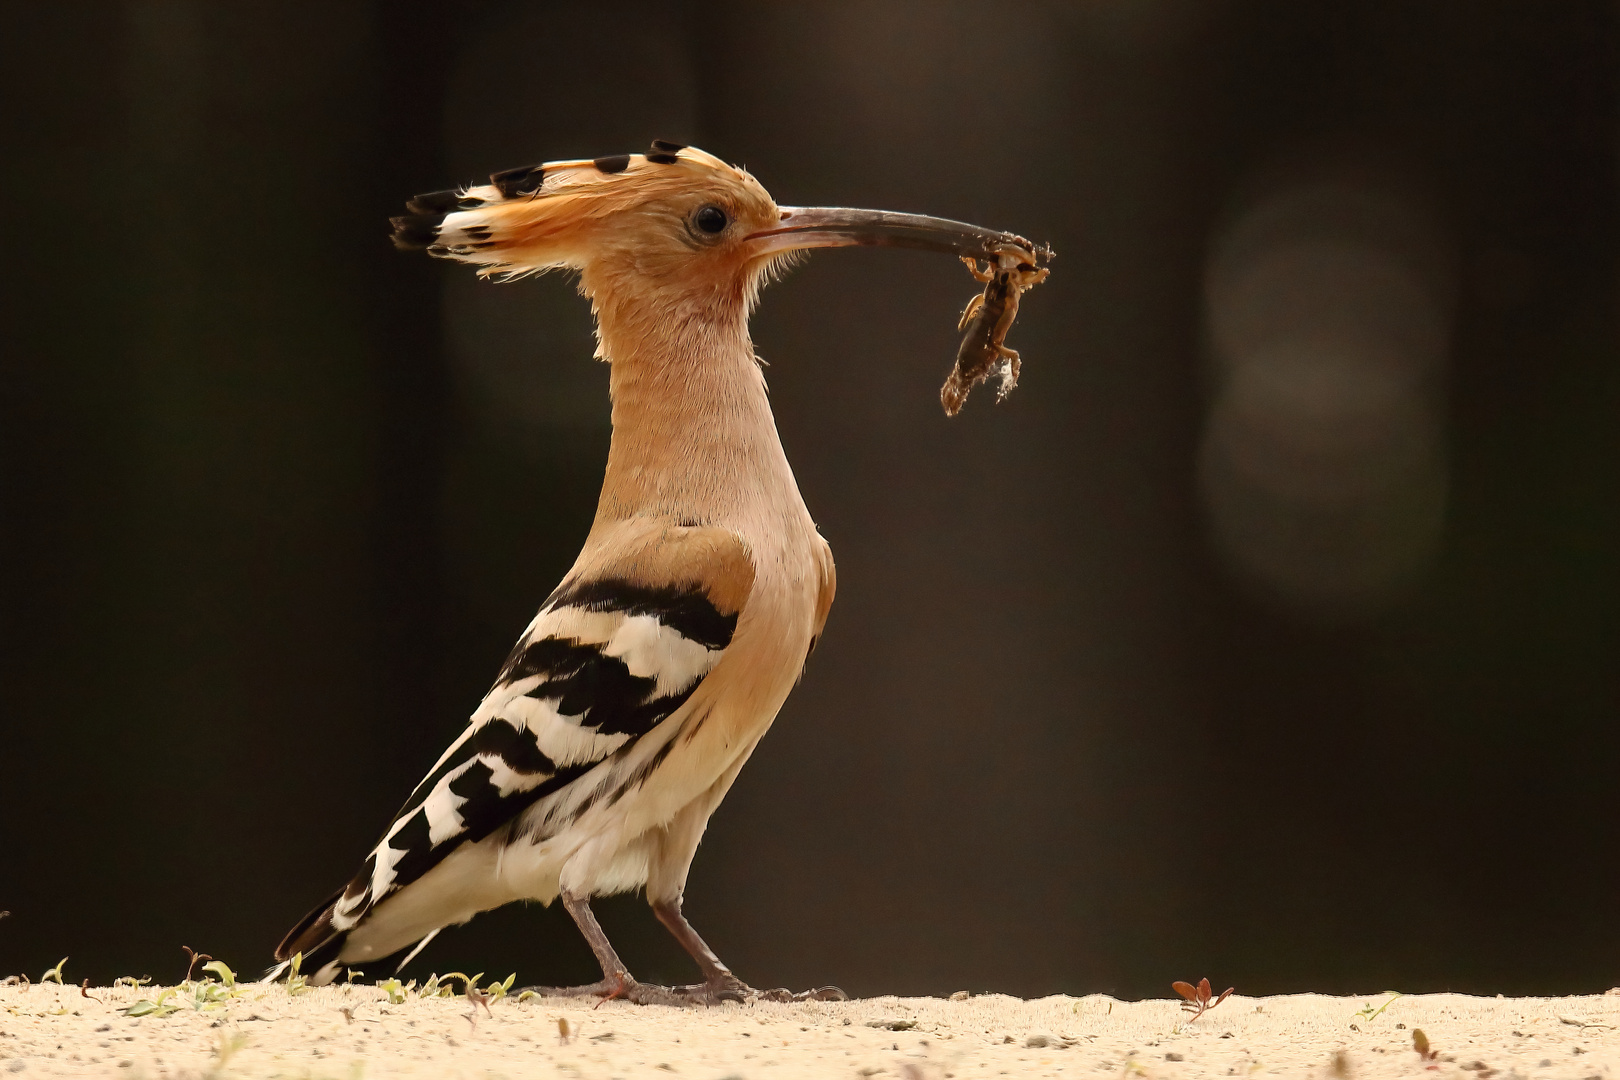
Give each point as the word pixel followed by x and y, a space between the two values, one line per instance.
pixel 1268 631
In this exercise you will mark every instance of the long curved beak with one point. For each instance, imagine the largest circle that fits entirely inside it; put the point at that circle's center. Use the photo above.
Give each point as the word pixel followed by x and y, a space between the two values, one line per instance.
pixel 837 226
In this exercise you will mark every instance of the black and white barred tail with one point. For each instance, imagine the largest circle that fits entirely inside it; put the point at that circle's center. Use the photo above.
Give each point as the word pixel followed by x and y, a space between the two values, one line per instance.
pixel 604 663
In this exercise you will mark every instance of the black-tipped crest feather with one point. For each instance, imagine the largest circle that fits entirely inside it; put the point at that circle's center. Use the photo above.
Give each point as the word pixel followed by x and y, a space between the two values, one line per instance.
pixel 523 180
pixel 415 232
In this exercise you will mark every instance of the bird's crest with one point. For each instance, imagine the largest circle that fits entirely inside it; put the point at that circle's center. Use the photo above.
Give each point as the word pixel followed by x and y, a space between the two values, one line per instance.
pixel 549 216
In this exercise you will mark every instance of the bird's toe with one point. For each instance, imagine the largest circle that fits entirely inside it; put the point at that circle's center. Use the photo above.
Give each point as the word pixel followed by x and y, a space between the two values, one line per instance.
pixel 718 991
pixel 820 993
pixel 652 994
pixel 604 988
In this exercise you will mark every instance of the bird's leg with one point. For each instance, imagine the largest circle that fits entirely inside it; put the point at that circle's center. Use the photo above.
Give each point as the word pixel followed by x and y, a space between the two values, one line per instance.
pixel 616 982
pixel 719 984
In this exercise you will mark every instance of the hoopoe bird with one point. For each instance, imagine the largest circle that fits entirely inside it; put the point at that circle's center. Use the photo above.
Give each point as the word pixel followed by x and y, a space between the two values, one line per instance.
pixel 635 696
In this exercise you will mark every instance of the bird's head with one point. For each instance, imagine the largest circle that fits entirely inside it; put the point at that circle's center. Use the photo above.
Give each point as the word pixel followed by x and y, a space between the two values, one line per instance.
pixel 674 230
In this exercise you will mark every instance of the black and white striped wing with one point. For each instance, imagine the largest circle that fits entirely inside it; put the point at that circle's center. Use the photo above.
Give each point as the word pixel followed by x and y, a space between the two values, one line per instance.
pixel 602 665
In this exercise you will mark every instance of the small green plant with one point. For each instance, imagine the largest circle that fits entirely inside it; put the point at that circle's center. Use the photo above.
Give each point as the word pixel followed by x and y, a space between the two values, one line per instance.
pixel 501 989
pixel 223 970
pixel 131 981
pixel 208 994
pixel 192 956
pixel 1197 999
pixel 352 974
pixel 526 995
pixel 467 982
pixel 1370 1013
pixel 395 991
pixel 439 985
pixel 296 982
pixel 478 999
pixel 54 974
pixel 149 1007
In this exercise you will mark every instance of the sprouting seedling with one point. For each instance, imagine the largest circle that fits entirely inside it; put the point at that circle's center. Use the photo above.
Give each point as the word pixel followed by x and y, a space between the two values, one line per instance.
pixel 564 1030
pixel 439 986
pixel 223 970
pixel 209 994
pixel 1196 999
pixel 501 989
pixel 467 982
pixel 1420 1043
pixel 296 982
pixel 149 1007
pixel 192 956
pixel 1367 1012
pixel 353 974
pixel 395 991
pixel 54 974
pixel 526 995
pixel 131 981
pixel 478 998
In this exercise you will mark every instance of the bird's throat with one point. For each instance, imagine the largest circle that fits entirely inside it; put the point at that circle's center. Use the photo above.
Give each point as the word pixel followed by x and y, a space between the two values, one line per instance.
pixel 693 435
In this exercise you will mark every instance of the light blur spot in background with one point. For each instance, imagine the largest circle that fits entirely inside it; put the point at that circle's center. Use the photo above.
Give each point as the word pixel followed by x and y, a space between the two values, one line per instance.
pixel 1322 464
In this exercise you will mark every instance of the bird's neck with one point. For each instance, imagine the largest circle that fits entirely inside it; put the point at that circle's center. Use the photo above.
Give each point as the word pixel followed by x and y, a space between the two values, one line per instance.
pixel 693 436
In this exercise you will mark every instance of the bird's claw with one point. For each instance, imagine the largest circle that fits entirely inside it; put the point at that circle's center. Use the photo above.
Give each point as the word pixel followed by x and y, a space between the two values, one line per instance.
pixel 606 988
pixel 821 993
pixel 627 989
pixel 718 991
pixel 713 992
pixel 731 988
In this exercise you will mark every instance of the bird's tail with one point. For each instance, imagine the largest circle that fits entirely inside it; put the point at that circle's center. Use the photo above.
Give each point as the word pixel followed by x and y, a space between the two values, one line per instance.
pixel 315 943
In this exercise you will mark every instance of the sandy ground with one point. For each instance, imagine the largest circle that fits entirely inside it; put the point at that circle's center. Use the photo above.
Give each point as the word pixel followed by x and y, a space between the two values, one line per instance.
pixel 264 1032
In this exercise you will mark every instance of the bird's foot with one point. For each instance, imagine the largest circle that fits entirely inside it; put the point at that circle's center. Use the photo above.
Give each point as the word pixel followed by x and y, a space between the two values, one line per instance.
pixel 731 988
pixel 820 993
pixel 718 990
pixel 625 988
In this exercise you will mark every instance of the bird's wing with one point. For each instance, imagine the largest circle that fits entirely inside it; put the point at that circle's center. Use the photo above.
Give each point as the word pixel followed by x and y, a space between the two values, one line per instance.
pixel 616 650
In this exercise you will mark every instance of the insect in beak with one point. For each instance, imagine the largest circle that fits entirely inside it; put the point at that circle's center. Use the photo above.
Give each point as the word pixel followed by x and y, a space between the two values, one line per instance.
pixel 1012 266
pixel 836 226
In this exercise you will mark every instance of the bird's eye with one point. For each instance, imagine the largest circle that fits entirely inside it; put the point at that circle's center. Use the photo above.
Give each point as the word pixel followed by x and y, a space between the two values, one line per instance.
pixel 711 219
